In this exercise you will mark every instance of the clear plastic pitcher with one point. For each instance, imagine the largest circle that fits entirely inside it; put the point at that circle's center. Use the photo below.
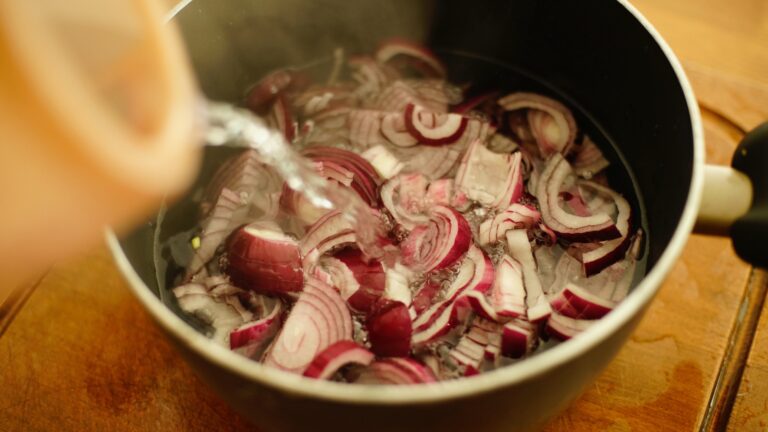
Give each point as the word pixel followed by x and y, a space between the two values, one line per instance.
pixel 98 122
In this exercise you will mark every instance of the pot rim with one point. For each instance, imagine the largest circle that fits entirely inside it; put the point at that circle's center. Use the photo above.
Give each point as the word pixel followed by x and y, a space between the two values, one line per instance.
pixel 428 393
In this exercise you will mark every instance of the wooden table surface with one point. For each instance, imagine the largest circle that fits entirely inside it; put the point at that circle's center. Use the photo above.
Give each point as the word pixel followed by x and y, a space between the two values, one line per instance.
pixel 78 353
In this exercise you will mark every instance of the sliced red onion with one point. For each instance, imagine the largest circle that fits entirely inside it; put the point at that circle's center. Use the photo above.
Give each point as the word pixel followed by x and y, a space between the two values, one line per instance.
pixel 484 273
pixel 461 282
pixel 547 259
pixel 516 216
pixel 589 159
pixel 365 129
pixel 514 185
pixel 476 273
pixel 576 296
pixel 263 259
pixel 360 282
pixel 189 289
pixel 330 231
pixel 440 243
pixel 499 143
pixel 221 286
pixel 396 96
pixel 295 203
pixel 370 74
pixel 551 123
pixel 610 251
pixel 444 192
pixel 415 369
pixel 263 93
pixel 416 56
pixel 385 163
pixel 389 329
pixel 395 372
pixel 508 291
pixel 548 236
pixel 370 276
pixel 488 333
pixel 564 328
pixel 469 352
pixel 365 180
pixel 229 212
pixel 282 118
pixel 479 304
pixel 575 203
pixel 518 338
pixel 576 302
pixel 321 99
pixel 397 284
pixel 437 162
pixel 336 356
pixel 250 337
pixel 404 197
pixel 393 128
pixel 425 296
pixel 433 129
pixel 319 318
pixel 520 249
pixel 518 124
pixel 330 128
pixel 598 226
pixel 220 314
pixel 257 185
pixel 336 172
pixel 492 179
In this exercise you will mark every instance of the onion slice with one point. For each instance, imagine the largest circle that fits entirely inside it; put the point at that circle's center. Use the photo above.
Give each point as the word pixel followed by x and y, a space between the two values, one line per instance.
pixel 598 226
pixel 336 356
pixel 609 252
pixel 365 180
pixel 519 337
pixel 227 214
pixel 250 337
pixel 589 159
pixel 319 318
pixel 263 259
pixel 550 122
pixel 396 371
pixel 508 291
pixel 330 231
pixel 383 161
pixel 520 249
pixel 492 179
pixel 440 243
pixel 516 216
pixel 404 197
pixel 360 282
pixel 564 328
pixel 433 129
pixel 389 329
pixel 470 351
pixel 576 302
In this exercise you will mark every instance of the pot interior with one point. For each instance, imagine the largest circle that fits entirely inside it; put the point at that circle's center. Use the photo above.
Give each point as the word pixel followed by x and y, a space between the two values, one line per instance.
pixel 592 54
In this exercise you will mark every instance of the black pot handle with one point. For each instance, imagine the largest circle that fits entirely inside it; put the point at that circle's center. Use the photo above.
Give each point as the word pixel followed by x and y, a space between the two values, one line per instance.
pixel 750 231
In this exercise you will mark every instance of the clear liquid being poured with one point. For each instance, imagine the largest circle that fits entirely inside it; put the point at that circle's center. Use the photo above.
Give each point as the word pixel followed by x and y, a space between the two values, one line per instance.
pixel 230 126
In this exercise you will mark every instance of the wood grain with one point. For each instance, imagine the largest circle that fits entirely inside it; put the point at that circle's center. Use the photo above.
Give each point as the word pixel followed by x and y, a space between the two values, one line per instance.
pixel 750 413
pixel 82 355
